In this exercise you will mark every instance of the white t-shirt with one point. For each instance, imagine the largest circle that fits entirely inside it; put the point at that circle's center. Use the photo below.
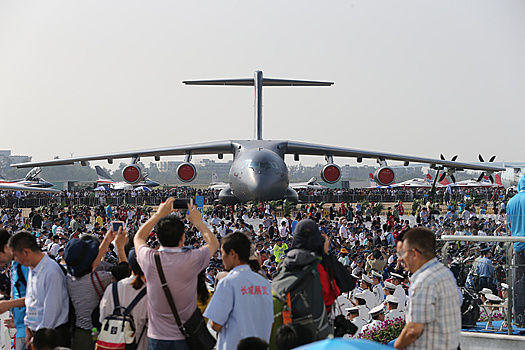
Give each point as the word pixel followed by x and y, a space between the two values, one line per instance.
pixel 343 232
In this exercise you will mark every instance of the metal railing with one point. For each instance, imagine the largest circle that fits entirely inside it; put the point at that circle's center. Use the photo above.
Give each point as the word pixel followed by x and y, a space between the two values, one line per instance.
pixel 510 265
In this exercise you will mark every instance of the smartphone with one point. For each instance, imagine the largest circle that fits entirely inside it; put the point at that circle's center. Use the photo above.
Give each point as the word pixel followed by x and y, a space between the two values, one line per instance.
pixel 115 225
pixel 181 203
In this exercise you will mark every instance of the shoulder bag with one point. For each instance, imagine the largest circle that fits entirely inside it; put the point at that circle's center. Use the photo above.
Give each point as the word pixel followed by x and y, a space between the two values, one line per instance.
pixel 195 329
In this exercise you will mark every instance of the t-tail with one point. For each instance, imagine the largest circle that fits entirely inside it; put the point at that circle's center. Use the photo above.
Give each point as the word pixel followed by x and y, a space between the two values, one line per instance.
pixel 373 183
pixel 258 82
pixel 102 174
pixel 497 179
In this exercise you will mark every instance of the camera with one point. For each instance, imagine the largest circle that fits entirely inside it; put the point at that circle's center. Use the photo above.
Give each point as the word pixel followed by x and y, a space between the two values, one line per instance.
pixel 181 203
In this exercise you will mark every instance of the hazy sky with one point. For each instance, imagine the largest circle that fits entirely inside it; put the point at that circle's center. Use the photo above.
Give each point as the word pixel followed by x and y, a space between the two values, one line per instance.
pixel 411 77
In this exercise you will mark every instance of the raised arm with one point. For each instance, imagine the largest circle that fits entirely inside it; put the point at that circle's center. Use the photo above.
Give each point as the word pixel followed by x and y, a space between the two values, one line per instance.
pixel 142 235
pixel 195 218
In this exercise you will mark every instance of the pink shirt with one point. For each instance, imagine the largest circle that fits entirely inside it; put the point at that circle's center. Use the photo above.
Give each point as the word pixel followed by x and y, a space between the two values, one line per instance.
pixel 181 269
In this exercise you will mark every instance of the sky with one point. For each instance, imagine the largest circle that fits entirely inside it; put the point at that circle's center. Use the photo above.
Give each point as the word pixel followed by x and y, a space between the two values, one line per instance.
pixel 411 77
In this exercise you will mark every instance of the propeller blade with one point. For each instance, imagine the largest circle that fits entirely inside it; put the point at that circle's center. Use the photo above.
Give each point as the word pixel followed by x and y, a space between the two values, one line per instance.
pixel 442 177
pixel 481 158
pixel 492 159
pixel 454 158
pixel 442 156
pixel 491 178
pixel 453 178
pixel 481 177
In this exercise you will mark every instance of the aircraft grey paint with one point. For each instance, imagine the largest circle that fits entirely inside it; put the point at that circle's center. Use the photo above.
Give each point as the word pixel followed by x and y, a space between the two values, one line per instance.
pixel 258 171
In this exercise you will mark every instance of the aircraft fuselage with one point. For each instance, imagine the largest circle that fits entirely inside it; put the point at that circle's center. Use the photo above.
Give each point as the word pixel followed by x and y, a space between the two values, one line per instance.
pixel 258 172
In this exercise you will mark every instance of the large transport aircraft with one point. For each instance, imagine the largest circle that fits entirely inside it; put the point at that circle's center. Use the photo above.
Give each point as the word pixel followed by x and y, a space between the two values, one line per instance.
pixel 30 183
pixel 258 171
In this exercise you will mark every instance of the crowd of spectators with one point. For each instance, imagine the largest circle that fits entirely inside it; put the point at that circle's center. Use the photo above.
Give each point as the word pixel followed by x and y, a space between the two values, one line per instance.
pixel 365 243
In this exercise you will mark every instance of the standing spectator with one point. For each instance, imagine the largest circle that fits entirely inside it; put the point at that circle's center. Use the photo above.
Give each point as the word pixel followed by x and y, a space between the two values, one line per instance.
pixel 36 220
pixel 241 290
pixel 109 212
pixel 127 290
pixel 283 231
pixel 516 223
pixel 181 268
pixel 73 224
pixel 433 314
pixel 279 249
pixel 19 276
pixel 47 301
pixel 85 285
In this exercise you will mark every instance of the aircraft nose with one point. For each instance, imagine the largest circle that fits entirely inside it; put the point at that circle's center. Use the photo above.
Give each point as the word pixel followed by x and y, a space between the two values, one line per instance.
pixel 260 188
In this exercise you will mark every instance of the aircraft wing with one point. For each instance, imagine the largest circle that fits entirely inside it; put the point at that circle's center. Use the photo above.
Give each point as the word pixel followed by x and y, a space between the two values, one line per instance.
pixel 294 147
pixel 15 187
pixel 218 147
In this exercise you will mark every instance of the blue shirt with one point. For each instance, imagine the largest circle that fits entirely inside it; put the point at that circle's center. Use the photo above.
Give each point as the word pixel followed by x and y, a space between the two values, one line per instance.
pixel 516 215
pixel 109 212
pixel 242 304
pixel 484 268
pixel 18 290
pixel 47 301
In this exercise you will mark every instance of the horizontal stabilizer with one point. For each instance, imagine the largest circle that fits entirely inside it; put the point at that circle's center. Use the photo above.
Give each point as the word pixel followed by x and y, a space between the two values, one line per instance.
pixel 251 82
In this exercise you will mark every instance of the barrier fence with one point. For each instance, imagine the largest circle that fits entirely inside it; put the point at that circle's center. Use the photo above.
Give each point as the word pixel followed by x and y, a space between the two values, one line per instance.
pixel 513 279
pixel 155 199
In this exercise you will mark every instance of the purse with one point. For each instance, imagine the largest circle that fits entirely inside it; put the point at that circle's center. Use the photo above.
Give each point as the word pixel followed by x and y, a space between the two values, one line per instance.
pixel 195 329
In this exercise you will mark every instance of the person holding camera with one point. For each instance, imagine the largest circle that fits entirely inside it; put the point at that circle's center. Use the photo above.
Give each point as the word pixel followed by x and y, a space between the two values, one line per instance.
pixel 181 268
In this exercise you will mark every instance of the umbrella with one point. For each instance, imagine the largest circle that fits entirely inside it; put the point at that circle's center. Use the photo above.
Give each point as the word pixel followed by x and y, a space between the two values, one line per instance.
pixel 142 188
pixel 101 188
pixel 344 344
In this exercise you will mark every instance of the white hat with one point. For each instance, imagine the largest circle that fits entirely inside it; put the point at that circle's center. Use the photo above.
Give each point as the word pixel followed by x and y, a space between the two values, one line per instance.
pixel 504 286
pixel 360 296
pixel 392 299
pixel 389 286
pixel 493 298
pixel 366 279
pixel 352 309
pixel 396 275
pixel 376 274
pixel 377 310
pixel 486 291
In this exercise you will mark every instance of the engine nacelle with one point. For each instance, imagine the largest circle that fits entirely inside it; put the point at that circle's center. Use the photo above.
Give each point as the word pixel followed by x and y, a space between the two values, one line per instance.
pixel 331 173
pixel 384 176
pixel 132 174
pixel 186 172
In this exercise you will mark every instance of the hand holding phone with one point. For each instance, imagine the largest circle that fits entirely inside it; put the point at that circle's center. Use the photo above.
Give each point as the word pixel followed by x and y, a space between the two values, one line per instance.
pixel 115 225
pixel 181 203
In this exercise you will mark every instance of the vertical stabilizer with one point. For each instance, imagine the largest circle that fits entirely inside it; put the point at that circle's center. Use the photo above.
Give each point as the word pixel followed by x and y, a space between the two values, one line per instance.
pixel 102 174
pixel 258 82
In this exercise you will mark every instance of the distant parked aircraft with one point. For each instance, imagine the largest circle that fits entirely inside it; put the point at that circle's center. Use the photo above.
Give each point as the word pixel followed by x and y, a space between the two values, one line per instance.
pixel 105 179
pixel 30 183
pixel 311 184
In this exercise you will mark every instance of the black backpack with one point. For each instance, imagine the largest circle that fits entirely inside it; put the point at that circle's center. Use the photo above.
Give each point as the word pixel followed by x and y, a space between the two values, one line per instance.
pixel 299 288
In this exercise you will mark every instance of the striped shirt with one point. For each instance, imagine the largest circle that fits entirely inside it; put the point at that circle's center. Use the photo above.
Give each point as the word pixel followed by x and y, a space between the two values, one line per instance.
pixel 84 296
pixel 434 301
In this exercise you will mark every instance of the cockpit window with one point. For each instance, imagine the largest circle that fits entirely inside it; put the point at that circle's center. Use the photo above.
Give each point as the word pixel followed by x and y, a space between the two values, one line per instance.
pixel 257 165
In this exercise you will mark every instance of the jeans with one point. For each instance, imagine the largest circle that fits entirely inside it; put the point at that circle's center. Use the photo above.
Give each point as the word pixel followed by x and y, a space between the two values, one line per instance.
pixel 519 290
pixel 390 239
pixel 156 344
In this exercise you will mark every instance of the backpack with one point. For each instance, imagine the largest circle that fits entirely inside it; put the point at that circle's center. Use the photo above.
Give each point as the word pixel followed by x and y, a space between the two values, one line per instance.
pixel 299 289
pixel 118 329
